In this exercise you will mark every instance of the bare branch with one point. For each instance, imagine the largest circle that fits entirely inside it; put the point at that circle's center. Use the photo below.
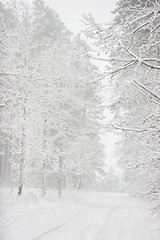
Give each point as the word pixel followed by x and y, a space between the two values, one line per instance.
pixel 152 59
pixel 150 65
pixel 142 17
pixel 120 69
pixel 12 74
pixel 139 27
pixel 3 39
pixel 135 129
pixel 143 87
pixel 155 28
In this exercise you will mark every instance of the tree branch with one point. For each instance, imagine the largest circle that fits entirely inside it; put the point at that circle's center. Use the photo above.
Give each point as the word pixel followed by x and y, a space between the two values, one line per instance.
pixel 143 87
pixel 12 74
pixel 135 129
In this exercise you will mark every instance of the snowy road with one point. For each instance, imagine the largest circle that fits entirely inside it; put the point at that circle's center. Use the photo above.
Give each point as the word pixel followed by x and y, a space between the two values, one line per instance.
pixel 101 216
pixel 113 217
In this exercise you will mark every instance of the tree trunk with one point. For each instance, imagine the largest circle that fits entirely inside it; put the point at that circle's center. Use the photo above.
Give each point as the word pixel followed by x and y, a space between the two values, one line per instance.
pixel 60 178
pixel 21 165
pixel 22 160
pixel 11 169
pixel 11 158
pixel 79 183
pixel 44 162
pixel 64 177
pixel 43 179
pixel 6 163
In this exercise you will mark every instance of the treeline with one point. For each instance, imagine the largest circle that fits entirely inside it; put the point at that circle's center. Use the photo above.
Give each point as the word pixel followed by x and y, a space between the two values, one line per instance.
pixel 50 104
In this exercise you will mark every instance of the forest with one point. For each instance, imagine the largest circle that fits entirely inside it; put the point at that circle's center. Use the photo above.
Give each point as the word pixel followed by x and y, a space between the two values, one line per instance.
pixel 52 103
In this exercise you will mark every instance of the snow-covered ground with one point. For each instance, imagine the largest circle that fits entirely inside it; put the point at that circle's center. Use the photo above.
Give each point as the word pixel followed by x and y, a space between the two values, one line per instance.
pixel 77 216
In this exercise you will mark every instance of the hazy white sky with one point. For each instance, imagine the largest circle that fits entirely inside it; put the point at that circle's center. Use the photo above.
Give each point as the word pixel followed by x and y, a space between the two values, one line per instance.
pixel 70 11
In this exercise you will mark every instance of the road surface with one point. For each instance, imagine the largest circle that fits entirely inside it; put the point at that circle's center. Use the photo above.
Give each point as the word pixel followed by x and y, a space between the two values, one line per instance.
pixel 106 217
pixel 94 216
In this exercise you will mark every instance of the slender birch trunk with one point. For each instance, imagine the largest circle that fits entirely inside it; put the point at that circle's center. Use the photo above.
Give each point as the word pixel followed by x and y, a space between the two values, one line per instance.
pixel 22 156
pixel 11 158
pixel 44 162
pixel 60 179
pixel 60 172
pixel 79 183
pixel 43 179
pixel 64 177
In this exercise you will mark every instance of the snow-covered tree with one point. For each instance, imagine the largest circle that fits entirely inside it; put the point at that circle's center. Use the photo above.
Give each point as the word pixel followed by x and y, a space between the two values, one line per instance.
pixel 50 96
pixel 130 48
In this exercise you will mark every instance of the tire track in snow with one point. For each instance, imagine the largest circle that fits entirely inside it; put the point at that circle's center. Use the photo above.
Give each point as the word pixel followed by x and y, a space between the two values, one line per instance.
pixel 85 225
pixel 119 225
pixel 113 217
pixel 67 222
pixel 97 233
